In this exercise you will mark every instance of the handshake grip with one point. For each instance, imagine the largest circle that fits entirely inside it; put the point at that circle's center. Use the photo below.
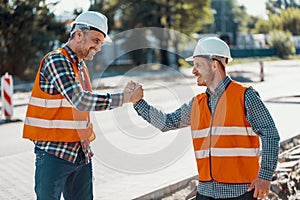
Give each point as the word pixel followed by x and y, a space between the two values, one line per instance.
pixel 133 92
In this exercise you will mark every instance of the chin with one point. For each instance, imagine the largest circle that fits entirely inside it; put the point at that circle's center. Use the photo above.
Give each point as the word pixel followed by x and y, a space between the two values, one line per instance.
pixel 201 84
pixel 89 58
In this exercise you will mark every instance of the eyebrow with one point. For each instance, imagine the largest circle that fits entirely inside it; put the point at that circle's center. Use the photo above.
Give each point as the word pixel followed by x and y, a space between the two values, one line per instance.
pixel 197 64
pixel 95 36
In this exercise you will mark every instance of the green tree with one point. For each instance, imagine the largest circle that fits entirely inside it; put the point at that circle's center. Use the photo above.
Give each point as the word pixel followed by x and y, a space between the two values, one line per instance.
pixel 245 22
pixel 262 26
pixel 275 6
pixel 187 17
pixel 286 20
pixel 229 18
pixel 224 17
pixel 291 20
pixel 26 31
pixel 282 41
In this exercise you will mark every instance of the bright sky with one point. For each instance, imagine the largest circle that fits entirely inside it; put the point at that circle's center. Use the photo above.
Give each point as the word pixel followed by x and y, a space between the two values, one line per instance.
pixel 255 7
pixel 66 7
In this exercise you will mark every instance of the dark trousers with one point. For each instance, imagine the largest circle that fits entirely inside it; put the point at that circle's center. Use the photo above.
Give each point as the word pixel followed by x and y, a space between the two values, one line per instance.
pixel 55 176
pixel 246 196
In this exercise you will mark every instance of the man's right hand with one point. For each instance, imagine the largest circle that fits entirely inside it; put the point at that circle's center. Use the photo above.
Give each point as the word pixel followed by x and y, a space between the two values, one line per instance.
pixel 133 92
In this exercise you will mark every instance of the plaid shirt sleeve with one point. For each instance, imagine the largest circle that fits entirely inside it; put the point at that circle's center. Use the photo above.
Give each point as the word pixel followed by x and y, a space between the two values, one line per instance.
pixel 164 121
pixel 59 77
pixel 262 123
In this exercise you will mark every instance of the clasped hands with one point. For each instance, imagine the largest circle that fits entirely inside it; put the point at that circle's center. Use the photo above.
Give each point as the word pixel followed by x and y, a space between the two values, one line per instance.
pixel 133 92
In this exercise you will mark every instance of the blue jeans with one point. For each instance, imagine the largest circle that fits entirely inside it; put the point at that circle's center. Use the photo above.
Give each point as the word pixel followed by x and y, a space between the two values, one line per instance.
pixel 55 176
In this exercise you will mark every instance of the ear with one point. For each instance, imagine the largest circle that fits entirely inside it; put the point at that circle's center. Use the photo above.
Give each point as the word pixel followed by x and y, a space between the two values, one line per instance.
pixel 78 34
pixel 215 64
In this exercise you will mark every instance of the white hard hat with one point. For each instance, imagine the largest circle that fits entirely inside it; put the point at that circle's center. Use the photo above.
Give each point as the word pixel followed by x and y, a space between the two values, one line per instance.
pixel 211 46
pixel 94 20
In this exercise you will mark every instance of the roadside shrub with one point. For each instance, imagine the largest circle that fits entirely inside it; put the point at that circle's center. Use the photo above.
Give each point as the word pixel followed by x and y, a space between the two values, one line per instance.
pixel 283 42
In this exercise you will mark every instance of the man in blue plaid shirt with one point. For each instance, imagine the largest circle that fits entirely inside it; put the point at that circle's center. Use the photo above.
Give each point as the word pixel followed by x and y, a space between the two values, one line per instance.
pixel 229 122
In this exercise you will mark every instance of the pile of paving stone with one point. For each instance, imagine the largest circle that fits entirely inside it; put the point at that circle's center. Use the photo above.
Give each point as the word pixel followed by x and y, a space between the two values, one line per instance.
pixel 286 180
pixel 285 184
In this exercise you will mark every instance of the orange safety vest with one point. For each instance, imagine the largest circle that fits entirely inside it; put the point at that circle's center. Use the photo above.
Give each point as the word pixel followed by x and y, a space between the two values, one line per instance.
pixel 52 117
pixel 226 148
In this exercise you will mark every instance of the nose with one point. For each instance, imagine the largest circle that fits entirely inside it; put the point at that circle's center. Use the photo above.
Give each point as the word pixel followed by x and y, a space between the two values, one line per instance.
pixel 98 47
pixel 194 71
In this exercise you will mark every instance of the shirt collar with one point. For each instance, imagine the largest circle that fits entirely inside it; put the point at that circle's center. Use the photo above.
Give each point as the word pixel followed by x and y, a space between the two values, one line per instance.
pixel 73 55
pixel 220 87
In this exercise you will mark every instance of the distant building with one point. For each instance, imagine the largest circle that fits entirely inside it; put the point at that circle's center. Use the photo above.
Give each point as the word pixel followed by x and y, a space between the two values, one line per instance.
pixel 251 41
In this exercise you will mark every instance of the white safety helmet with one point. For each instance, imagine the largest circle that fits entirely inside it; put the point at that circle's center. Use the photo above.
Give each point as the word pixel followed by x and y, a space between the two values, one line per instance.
pixel 95 21
pixel 211 46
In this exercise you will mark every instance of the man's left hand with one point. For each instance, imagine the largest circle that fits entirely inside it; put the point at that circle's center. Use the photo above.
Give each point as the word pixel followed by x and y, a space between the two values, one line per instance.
pixel 261 188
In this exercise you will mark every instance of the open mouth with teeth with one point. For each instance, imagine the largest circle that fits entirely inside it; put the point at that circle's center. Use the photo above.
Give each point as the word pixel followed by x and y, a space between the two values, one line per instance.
pixel 200 80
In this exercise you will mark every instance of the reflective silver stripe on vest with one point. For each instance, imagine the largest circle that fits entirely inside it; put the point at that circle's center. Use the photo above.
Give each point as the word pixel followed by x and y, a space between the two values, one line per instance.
pixel 228 152
pixel 221 130
pixel 64 124
pixel 49 103
pixel 202 153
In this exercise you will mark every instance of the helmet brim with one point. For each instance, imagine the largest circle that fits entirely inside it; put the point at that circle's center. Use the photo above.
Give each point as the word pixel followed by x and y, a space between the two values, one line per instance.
pixel 107 39
pixel 189 59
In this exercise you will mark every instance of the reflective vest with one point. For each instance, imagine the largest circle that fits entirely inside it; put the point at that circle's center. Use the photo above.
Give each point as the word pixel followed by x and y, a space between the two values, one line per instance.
pixel 226 148
pixel 52 117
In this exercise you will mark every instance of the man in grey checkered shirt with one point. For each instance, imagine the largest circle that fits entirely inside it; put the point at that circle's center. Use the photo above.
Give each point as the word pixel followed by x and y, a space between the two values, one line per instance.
pixel 235 139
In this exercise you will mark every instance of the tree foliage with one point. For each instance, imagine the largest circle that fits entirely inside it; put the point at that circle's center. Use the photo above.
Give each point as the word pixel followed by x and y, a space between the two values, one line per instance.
pixel 286 20
pixel 26 29
pixel 275 6
pixel 187 17
pixel 262 26
pixel 231 18
pixel 291 20
pixel 225 20
pixel 283 23
pixel 244 21
pixel 282 41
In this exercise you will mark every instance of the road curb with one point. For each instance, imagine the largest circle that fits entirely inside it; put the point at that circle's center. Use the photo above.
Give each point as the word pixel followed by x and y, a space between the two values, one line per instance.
pixel 167 190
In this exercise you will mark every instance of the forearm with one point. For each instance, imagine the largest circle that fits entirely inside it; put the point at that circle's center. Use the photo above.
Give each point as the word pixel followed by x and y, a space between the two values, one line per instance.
pixel 269 157
pixel 87 101
pixel 164 122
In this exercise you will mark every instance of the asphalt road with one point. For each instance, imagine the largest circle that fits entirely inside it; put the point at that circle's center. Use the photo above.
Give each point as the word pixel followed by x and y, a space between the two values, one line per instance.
pixel 133 158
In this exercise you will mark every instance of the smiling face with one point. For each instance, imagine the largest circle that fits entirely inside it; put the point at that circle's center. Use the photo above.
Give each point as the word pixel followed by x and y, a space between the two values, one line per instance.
pixel 203 70
pixel 89 43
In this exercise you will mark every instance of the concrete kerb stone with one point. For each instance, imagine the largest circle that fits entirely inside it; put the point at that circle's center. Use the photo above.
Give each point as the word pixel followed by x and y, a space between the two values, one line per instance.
pixel 167 190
